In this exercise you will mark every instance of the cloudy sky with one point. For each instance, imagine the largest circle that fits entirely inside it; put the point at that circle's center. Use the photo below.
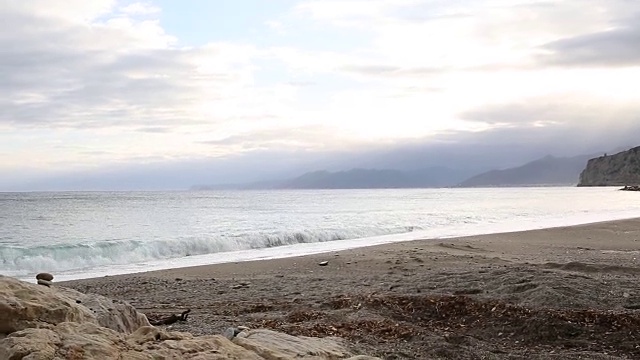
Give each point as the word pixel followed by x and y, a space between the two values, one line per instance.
pixel 198 91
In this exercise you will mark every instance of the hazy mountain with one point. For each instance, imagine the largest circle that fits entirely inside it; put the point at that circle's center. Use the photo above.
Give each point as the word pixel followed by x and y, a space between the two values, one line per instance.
pixel 372 179
pixel 614 170
pixel 547 171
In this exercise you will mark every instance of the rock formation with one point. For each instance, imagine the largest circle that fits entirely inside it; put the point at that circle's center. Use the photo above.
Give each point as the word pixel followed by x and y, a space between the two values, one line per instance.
pixel 620 169
pixel 38 322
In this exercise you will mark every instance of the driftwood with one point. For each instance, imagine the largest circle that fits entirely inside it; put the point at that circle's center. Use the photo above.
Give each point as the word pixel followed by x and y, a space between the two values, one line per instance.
pixel 170 319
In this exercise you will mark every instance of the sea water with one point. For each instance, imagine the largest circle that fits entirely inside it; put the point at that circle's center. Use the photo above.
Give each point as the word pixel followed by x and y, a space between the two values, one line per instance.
pixel 89 234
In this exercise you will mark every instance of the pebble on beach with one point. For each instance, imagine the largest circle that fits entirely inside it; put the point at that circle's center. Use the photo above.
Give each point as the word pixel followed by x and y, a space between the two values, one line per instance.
pixel 44 276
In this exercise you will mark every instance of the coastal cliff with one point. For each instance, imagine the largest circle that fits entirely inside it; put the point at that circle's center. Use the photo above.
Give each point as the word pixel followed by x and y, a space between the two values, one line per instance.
pixel 613 170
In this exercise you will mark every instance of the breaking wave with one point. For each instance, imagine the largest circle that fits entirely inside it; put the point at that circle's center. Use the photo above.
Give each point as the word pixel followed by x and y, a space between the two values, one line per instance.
pixel 20 261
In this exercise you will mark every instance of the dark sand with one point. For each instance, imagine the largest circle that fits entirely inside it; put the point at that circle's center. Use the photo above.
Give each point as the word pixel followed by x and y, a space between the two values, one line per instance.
pixel 563 293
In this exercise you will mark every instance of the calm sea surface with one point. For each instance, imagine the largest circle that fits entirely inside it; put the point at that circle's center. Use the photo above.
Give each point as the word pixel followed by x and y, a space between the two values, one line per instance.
pixel 86 234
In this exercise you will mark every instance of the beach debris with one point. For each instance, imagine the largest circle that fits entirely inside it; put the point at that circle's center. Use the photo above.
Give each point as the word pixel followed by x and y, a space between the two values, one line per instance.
pixel 323 263
pixel 44 279
pixel 173 318
pixel 240 285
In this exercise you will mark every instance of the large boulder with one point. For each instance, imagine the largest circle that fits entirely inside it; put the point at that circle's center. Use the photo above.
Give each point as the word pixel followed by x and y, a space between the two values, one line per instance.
pixel 24 305
pixel 70 340
pixel 42 323
pixel 89 341
pixel 274 345
pixel 113 314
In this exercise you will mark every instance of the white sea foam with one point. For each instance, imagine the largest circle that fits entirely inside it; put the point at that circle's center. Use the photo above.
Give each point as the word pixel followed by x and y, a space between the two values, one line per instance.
pixel 20 261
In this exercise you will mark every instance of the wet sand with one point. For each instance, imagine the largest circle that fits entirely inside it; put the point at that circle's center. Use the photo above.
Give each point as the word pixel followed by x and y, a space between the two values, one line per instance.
pixel 562 293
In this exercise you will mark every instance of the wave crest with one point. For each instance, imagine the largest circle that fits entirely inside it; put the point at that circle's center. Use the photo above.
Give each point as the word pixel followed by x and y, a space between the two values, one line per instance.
pixel 21 261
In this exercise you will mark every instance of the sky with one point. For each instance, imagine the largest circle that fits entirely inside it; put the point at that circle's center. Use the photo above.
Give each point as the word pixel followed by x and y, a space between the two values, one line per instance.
pixel 108 94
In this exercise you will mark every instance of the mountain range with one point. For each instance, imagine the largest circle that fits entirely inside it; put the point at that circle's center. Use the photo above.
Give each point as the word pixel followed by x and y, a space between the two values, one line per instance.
pixel 547 171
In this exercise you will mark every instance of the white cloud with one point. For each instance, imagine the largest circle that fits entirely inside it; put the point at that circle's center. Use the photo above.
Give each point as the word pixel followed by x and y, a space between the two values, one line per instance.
pixel 139 8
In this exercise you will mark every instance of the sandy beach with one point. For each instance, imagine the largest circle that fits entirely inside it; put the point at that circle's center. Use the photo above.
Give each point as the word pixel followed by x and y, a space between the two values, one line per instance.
pixel 562 293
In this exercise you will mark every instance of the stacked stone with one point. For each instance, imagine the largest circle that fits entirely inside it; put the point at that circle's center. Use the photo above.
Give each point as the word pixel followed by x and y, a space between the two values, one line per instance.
pixel 45 279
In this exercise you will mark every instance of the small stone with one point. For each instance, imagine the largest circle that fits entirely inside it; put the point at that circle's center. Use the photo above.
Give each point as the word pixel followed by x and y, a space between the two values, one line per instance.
pixel 324 263
pixel 44 276
pixel 44 282
pixel 243 328
pixel 230 333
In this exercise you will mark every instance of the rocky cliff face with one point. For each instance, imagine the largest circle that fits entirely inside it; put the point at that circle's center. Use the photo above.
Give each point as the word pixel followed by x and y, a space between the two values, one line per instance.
pixel 38 322
pixel 613 170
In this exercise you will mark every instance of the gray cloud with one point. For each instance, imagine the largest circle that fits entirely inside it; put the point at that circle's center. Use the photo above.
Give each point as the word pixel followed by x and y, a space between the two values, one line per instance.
pixel 581 114
pixel 154 130
pixel 57 73
pixel 307 136
pixel 568 127
pixel 613 47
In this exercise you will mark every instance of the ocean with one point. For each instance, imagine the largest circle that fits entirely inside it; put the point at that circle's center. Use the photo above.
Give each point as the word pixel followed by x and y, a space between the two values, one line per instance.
pixel 89 234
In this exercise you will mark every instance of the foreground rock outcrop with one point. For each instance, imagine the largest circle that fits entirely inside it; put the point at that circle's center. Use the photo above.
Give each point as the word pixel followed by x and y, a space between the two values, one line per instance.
pixel 38 322
pixel 613 170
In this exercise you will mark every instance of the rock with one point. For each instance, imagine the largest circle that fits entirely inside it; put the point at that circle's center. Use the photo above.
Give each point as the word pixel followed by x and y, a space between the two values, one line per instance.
pixel 323 263
pixel 613 170
pixel 115 315
pixel 44 282
pixel 274 345
pixel 44 276
pixel 24 305
pixel 89 341
pixel 38 322
pixel 240 285
pixel 230 333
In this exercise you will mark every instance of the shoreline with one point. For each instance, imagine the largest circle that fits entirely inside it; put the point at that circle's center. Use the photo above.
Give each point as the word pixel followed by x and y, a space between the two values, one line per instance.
pixel 317 248
pixel 424 298
pixel 427 243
